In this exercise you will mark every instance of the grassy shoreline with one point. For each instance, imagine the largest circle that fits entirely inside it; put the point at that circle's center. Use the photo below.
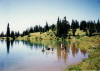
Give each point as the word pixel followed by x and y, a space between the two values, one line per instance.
pixel 92 45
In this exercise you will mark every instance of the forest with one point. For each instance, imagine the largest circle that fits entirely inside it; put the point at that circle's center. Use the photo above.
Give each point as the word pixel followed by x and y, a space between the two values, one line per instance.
pixel 61 28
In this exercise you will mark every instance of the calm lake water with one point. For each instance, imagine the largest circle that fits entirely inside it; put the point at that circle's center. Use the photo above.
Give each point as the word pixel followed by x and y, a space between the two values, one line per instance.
pixel 26 56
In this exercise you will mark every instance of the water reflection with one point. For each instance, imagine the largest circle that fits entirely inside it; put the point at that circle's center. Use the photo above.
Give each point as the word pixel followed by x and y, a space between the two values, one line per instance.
pixel 83 52
pixel 64 53
pixel 43 50
pixel 12 41
pixel 54 56
pixel 62 49
pixel 8 45
pixel 74 50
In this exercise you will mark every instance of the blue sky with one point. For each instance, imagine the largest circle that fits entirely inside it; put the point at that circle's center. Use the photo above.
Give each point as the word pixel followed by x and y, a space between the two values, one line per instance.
pixel 22 14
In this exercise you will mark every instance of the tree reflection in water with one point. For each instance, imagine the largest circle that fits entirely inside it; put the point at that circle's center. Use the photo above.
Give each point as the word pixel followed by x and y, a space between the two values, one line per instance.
pixel 64 53
pixel 63 50
pixel 8 45
pixel 46 55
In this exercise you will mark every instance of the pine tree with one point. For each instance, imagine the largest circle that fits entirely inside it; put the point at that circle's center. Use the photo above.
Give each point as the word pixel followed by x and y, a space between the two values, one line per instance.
pixel 12 35
pixel 46 27
pixel 65 27
pixel 91 28
pixel 77 24
pixel 8 31
pixel 83 25
pixel 36 28
pixel 31 30
pixel 2 34
pixel 62 27
pixel 59 28
pixel 73 26
pixel 52 27
pixel 98 26
pixel 40 29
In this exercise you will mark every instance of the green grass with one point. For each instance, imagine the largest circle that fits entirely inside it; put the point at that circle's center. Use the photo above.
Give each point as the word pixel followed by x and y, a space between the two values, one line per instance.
pixel 49 35
pixel 92 45
pixel 92 63
pixel 78 31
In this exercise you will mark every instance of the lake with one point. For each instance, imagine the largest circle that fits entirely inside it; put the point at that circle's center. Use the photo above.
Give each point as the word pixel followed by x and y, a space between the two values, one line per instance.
pixel 27 56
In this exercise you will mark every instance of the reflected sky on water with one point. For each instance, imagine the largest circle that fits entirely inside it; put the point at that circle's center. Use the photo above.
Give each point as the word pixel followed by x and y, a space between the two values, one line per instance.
pixel 27 56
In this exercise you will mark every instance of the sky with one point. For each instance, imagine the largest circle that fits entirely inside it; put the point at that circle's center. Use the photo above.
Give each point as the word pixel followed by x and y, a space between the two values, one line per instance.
pixel 22 14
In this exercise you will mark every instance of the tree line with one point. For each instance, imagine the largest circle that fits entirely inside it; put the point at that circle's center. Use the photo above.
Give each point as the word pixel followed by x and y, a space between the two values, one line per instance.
pixel 62 28
pixel 91 28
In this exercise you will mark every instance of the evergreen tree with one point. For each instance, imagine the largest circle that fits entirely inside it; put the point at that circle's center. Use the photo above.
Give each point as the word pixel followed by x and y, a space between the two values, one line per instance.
pixel 46 27
pixel 65 27
pixel 36 28
pixel 2 34
pixel 17 34
pixel 77 24
pixel 73 26
pixel 31 30
pixel 83 25
pixel 95 30
pixel 58 27
pixel 12 34
pixel 62 27
pixel 91 28
pixel 8 31
pixel 98 26
pixel 40 29
pixel 52 27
